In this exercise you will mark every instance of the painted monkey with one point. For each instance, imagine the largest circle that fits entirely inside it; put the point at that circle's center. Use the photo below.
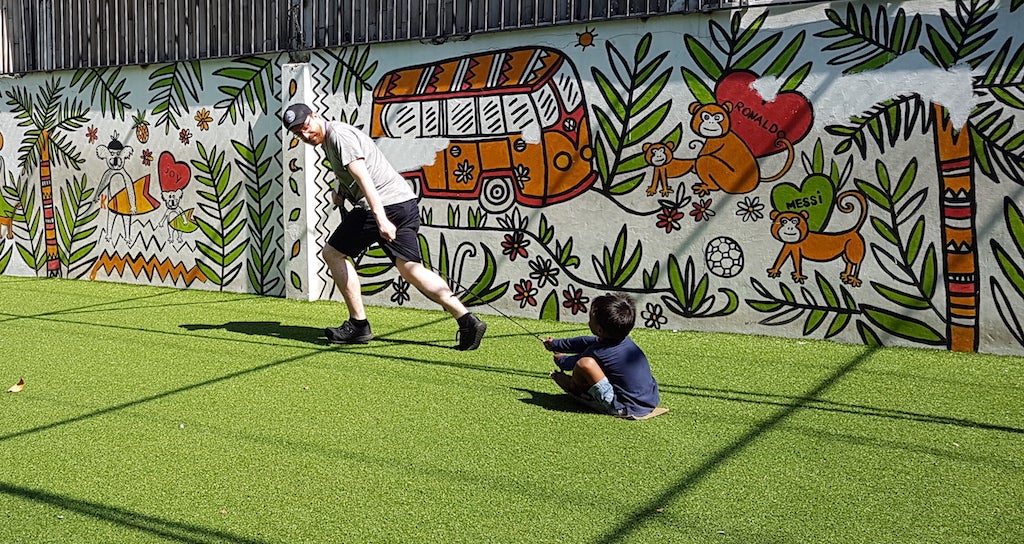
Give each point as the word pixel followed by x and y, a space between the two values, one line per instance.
pixel 790 228
pixel 666 166
pixel 725 162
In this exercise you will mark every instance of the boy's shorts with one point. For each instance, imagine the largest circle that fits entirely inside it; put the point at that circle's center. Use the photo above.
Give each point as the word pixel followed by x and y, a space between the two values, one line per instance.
pixel 359 230
pixel 602 398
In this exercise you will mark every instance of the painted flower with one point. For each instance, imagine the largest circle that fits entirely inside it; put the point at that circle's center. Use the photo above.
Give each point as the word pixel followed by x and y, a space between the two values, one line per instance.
pixel 203 119
pixel 668 219
pixel 92 133
pixel 750 209
pixel 185 136
pixel 575 300
pixel 653 316
pixel 147 157
pixel 401 294
pixel 514 245
pixel 464 172
pixel 522 173
pixel 525 293
pixel 543 272
pixel 702 210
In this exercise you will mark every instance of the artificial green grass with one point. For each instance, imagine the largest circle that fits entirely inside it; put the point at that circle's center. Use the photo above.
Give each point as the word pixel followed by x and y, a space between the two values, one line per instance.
pixel 160 415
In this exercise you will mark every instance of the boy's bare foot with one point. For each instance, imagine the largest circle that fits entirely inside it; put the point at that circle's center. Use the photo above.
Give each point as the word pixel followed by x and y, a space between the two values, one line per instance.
pixel 564 381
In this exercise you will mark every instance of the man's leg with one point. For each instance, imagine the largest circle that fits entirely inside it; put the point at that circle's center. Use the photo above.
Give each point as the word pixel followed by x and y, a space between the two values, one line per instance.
pixel 432 285
pixel 471 329
pixel 345 278
pixel 355 330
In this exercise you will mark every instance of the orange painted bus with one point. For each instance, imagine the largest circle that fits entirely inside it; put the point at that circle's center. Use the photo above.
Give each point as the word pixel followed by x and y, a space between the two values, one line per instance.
pixel 515 122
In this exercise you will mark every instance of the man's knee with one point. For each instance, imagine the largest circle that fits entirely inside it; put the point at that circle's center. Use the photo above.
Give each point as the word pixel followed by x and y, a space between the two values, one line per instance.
pixel 329 253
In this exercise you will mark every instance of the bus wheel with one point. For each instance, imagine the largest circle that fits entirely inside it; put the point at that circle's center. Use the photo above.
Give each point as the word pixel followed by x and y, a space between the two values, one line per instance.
pixel 497 195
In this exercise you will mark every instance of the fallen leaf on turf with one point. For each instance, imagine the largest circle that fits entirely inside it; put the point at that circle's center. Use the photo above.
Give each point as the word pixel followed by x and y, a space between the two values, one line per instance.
pixel 223 511
pixel 16 388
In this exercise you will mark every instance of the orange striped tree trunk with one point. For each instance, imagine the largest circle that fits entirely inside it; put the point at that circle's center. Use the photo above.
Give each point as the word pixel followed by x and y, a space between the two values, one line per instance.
pixel 958 207
pixel 49 223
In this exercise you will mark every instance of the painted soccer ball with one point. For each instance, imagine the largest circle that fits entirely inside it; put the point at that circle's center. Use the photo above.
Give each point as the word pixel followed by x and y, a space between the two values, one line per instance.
pixel 723 257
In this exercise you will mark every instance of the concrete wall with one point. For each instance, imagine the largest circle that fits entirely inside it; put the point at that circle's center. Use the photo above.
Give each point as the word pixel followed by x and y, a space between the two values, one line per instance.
pixel 848 171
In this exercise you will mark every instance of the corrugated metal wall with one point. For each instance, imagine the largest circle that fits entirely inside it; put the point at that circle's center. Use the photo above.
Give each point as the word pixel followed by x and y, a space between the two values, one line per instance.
pixel 38 35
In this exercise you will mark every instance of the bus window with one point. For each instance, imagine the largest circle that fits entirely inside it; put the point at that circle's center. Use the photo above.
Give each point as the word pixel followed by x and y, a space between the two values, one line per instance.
pixel 569 87
pixel 492 117
pixel 461 117
pixel 547 105
pixel 520 114
pixel 430 124
pixel 401 119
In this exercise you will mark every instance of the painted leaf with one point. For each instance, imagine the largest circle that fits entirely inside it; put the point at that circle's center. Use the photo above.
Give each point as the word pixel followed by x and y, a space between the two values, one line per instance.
pixel 814 320
pixel 1006 311
pixel 549 309
pixel 704 59
pixel 902 298
pixel 903 326
pixel 868 336
pixel 1011 270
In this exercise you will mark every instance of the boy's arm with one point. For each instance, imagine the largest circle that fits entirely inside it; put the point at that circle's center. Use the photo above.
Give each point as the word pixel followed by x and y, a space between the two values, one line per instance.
pixel 572 345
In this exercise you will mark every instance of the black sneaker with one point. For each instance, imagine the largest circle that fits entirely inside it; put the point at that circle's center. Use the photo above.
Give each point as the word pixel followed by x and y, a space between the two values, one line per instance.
pixel 348 333
pixel 470 334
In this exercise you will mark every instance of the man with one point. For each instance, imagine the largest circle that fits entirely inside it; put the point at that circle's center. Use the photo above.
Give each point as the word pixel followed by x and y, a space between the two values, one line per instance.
pixel 384 211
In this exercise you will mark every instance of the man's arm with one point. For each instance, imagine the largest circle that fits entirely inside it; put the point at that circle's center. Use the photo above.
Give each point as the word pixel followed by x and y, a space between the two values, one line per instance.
pixel 362 176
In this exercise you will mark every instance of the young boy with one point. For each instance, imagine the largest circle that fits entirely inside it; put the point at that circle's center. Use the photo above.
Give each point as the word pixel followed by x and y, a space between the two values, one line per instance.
pixel 610 373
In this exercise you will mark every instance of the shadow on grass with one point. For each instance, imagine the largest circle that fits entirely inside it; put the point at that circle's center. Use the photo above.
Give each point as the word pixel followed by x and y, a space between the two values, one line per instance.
pixel 632 522
pixel 158 396
pixel 559 402
pixel 270 329
pixel 165 529
pixel 315 335
pixel 300 333
pixel 809 403
pixel 80 309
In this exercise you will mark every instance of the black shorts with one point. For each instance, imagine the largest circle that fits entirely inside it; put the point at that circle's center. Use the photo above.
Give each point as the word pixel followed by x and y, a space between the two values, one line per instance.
pixel 359 230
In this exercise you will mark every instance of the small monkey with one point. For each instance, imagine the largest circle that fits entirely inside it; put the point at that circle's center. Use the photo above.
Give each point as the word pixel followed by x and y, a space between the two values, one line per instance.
pixel 666 166
pixel 791 229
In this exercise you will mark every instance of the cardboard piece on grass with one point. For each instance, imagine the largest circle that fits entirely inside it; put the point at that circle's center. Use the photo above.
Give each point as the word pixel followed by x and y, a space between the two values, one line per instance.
pixel 595 407
pixel 654 413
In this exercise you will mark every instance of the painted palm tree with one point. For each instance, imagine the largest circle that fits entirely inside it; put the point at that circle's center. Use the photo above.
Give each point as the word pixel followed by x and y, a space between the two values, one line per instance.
pixel 46 143
pixel 987 142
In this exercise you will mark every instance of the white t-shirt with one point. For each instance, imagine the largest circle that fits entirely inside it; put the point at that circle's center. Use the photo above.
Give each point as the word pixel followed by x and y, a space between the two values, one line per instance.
pixel 344 143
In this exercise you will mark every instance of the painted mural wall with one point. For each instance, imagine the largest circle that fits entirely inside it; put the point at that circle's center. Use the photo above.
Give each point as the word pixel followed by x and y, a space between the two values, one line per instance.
pixel 848 171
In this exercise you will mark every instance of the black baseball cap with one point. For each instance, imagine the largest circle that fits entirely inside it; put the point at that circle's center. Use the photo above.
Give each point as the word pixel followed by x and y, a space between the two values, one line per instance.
pixel 296 115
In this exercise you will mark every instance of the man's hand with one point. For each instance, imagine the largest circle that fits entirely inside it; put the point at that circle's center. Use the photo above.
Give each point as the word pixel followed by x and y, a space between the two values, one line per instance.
pixel 338 200
pixel 387 229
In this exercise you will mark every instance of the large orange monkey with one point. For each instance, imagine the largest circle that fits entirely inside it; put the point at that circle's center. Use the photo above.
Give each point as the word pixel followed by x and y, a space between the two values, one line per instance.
pixel 725 162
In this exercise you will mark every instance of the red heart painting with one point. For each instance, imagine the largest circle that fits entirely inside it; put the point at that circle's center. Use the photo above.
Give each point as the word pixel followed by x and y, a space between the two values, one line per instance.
pixel 760 123
pixel 174 175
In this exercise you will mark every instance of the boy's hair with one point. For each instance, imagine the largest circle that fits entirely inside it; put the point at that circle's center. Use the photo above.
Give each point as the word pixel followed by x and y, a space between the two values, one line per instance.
pixel 615 313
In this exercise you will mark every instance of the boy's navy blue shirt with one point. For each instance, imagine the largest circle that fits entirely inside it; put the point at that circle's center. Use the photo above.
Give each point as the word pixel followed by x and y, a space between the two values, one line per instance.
pixel 623 363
